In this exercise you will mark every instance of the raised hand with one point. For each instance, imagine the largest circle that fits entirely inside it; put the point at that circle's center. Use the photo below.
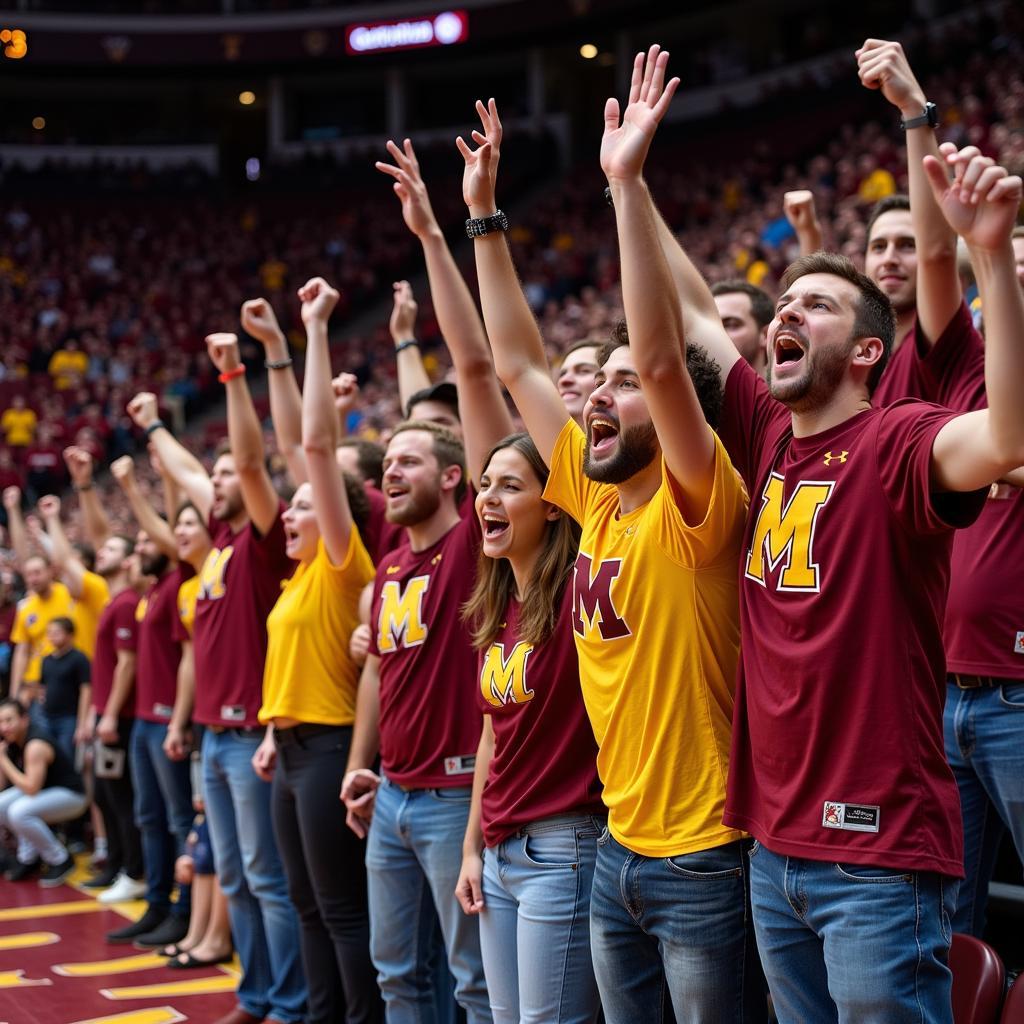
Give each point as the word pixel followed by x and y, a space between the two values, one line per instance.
pixel 799 209
pixel 143 409
pixel 981 202
pixel 12 497
pixel 624 146
pixel 223 351
pixel 416 210
pixel 79 463
pixel 403 313
pixel 258 320
pixel 123 470
pixel 49 507
pixel 480 176
pixel 318 300
pixel 346 393
pixel 883 65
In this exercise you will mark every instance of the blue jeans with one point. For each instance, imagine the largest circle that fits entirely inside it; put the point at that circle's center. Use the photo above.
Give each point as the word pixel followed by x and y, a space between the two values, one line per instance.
pixel 853 944
pixel 263 921
pixel 675 928
pixel 163 814
pixel 413 859
pixel 985 747
pixel 62 729
pixel 535 925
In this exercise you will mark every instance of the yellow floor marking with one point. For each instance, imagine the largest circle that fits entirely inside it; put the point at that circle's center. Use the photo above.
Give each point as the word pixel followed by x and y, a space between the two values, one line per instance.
pixel 151 1015
pixel 50 910
pixel 120 965
pixel 17 979
pixel 28 940
pixel 199 987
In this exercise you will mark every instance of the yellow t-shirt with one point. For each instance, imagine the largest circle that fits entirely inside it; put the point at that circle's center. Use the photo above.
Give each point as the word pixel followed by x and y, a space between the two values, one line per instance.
pixel 19 426
pixel 34 614
pixel 656 617
pixel 66 367
pixel 309 674
pixel 877 185
pixel 188 592
pixel 88 609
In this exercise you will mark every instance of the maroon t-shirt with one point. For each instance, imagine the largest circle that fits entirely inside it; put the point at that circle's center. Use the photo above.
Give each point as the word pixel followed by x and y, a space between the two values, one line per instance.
pixel 381 536
pixel 239 583
pixel 545 755
pixel 156 680
pixel 429 721
pixel 116 631
pixel 837 749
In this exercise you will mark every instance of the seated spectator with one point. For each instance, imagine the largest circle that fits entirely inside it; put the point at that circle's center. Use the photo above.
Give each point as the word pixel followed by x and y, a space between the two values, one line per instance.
pixel 41 788
pixel 18 423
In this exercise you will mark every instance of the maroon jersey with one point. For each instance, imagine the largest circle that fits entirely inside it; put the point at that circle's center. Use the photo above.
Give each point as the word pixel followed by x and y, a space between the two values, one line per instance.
pixel 117 631
pixel 951 372
pixel 837 747
pixel 156 680
pixel 239 583
pixel 429 721
pixel 545 755
pixel 381 536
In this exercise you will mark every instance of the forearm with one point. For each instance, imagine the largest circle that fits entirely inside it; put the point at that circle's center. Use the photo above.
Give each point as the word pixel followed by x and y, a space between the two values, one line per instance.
pixel 19 662
pixel 172 496
pixel 158 529
pixel 244 428
pixel 412 374
pixel 64 557
pixel 121 687
pixel 94 517
pixel 286 408
pixel 366 732
pixel 19 534
pixel 809 239
pixel 84 705
pixel 184 695
pixel 317 416
pixel 184 468
pixel 473 842
pixel 14 776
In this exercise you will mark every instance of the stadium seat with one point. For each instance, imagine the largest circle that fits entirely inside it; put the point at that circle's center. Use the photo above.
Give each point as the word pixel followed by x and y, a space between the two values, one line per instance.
pixel 1013 1008
pixel 978 980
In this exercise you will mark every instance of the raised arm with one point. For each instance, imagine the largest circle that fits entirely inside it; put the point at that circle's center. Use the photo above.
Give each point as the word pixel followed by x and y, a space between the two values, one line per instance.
pixel 883 65
pixel 412 374
pixel 657 342
pixel 159 530
pixel 519 357
pixel 16 524
pixel 319 423
pixel 177 460
pixel 168 485
pixel 258 494
pixel 64 558
pixel 981 205
pixel 95 523
pixel 482 408
pixel 798 207
pixel 258 320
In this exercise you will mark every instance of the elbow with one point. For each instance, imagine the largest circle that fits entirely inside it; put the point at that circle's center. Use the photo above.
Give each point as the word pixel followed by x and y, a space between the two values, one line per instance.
pixel 318 445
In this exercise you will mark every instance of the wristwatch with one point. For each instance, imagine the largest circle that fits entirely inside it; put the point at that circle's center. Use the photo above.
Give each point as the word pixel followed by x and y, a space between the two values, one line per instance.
pixel 478 226
pixel 929 116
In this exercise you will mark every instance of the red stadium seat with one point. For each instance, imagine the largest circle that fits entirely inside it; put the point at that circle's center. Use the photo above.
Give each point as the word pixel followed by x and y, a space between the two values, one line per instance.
pixel 978 980
pixel 1013 1008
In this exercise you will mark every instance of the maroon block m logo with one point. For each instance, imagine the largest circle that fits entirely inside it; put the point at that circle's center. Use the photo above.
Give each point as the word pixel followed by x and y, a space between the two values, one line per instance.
pixel 592 602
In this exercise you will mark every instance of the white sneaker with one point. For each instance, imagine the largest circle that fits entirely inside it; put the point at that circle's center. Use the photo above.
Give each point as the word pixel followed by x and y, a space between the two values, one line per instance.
pixel 124 888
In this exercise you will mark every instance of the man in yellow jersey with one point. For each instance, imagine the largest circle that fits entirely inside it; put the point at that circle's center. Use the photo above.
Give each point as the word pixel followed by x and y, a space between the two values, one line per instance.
pixel 655 598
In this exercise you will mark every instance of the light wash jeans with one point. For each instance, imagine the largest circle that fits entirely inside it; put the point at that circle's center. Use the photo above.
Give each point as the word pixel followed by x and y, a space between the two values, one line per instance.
pixel 852 944
pixel 30 817
pixel 413 859
pixel 985 747
pixel 535 925
pixel 675 929
pixel 263 922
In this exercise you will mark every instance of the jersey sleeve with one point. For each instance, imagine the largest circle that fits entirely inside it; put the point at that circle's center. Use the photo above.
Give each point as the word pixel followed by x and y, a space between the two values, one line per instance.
pixel 269 547
pixel 126 628
pixel 751 419
pixel 568 487
pixel 903 454
pixel 181 628
pixel 84 669
pixel 953 369
pixel 95 592
pixel 718 537
pixel 19 634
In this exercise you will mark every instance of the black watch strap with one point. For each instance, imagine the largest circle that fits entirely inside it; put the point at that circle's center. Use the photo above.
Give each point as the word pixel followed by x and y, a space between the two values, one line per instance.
pixel 929 116
pixel 478 226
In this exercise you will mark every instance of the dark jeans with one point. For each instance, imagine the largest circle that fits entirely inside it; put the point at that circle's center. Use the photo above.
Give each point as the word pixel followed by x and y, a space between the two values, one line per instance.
pixel 324 865
pixel 115 799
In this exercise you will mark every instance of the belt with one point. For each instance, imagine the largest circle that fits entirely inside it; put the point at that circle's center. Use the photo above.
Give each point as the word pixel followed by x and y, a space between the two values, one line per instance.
pixel 966 682
pixel 305 731
pixel 246 732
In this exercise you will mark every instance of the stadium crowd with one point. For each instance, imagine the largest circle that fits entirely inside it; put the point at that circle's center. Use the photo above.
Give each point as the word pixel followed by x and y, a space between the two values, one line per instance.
pixel 561 793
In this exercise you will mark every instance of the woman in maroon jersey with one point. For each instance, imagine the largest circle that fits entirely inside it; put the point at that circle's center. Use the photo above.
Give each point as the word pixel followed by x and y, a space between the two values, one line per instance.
pixel 531 842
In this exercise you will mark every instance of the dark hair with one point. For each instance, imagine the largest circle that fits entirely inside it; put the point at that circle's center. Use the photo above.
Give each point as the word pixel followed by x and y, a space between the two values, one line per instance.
pixel 874 316
pixel 594 343
pixel 86 554
pixel 897 201
pixel 184 506
pixel 761 306
pixel 444 392
pixel 495 585
pixel 128 542
pixel 703 370
pixel 447 448
pixel 63 622
pixel 369 457
pixel 358 502
pixel 1018 231
pixel 13 702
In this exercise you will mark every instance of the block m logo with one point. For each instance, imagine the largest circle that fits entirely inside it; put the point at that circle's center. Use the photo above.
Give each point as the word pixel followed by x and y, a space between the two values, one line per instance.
pixel 592 602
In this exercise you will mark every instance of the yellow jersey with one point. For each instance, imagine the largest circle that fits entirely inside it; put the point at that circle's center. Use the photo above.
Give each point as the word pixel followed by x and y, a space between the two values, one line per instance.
pixel 656 618
pixel 188 592
pixel 19 425
pixel 34 614
pixel 309 674
pixel 88 609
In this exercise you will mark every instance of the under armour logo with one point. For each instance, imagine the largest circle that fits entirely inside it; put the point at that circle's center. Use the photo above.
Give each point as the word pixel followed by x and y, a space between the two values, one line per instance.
pixel 436 559
pixel 841 457
pixel 392 569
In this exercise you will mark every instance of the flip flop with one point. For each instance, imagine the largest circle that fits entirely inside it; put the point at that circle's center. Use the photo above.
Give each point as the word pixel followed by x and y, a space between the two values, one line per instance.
pixel 189 962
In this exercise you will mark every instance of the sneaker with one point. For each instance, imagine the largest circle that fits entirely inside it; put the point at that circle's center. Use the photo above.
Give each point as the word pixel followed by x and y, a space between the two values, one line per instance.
pixel 171 930
pixel 54 874
pixel 151 919
pixel 22 871
pixel 103 880
pixel 124 888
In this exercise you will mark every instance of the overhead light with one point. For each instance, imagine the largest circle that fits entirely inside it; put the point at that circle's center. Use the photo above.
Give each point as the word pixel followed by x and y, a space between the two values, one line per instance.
pixel 39 123
pixel 247 98
pixel 588 51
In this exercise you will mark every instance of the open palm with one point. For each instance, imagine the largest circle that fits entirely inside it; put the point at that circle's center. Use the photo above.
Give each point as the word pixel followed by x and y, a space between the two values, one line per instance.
pixel 479 179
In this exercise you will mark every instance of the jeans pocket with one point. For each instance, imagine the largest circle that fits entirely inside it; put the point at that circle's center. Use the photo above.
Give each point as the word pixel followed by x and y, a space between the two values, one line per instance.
pixel 866 874
pixel 604 837
pixel 721 863
pixel 554 849
pixel 755 848
pixel 1011 695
